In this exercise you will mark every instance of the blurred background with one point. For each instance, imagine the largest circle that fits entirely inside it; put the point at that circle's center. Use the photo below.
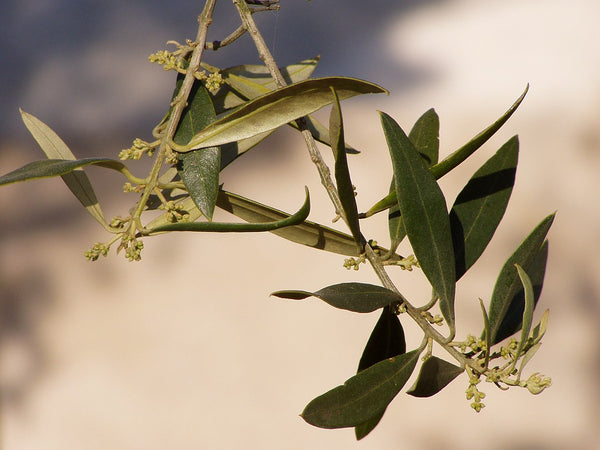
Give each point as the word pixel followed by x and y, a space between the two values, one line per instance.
pixel 185 349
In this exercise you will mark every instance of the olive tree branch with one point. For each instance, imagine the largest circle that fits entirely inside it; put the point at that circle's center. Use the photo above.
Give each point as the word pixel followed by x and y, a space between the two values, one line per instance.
pixel 325 174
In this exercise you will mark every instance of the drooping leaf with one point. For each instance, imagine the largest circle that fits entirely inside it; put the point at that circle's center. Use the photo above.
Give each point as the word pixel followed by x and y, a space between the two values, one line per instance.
pixel 425 136
pixel 277 108
pixel 356 297
pixel 342 174
pixel 55 148
pixel 387 340
pixel 363 396
pixel 481 204
pixel 198 169
pixel 306 233
pixel 507 304
pixel 513 318
pixel 454 159
pixel 528 311
pixel 434 376
pixel 424 213
pixel 223 227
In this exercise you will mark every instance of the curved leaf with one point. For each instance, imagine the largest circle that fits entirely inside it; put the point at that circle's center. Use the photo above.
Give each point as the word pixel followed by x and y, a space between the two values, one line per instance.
pixel 481 204
pixel 221 227
pixel 507 304
pixel 387 340
pixel 356 297
pixel 55 148
pixel 424 213
pixel 306 233
pixel 434 376
pixel 277 108
pixel 528 311
pixel 342 174
pixel 363 396
pixel 198 169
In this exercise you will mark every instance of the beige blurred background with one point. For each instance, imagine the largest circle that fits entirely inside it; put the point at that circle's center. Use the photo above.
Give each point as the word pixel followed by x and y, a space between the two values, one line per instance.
pixel 186 350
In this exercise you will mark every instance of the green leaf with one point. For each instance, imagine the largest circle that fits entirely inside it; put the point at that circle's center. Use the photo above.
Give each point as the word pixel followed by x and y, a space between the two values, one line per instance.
pixel 342 174
pixel 456 158
pixel 481 204
pixel 248 81
pixel 486 334
pixel 387 340
pixel 356 297
pixel 425 135
pixel 277 108
pixel 528 311
pixel 363 396
pixel 221 227
pixel 507 304
pixel 198 169
pixel 434 376
pixel 55 148
pixel 55 167
pixel 513 318
pixel 424 213
pixel 306 233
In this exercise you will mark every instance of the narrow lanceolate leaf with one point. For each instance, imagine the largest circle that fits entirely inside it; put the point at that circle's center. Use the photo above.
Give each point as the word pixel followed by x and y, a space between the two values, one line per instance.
pixel 221 227
pixel 434 376
pixel 55 167
pixel 481 204
pixel 342 174
pixel 507 304
pixel 356 297
pixel 512 321
pixel 277 108
pixel 425 216
pixel 55 148
pixel 387 340
pixel 306 233
pixel 198 169
pixel 425 136
pixel 457 157
pixel 363 396
pixel 528 311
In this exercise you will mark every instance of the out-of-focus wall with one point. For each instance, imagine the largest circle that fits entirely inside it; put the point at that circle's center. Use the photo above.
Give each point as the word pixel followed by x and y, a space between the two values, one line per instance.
pixel 186 349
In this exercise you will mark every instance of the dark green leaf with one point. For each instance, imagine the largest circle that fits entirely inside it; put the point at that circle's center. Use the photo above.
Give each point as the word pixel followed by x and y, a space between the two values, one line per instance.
pixel 434 376
pixel 424 213
pixel 198 169
pixel 456 158
pixel 277 108
pixel 481 204
pixel 513 317
pixel 54 168
pixel 425 135
pixel 363 396
pixel 387 340
pixel 221 227
pixel 356 297
pixel 507 304
pixel 342 174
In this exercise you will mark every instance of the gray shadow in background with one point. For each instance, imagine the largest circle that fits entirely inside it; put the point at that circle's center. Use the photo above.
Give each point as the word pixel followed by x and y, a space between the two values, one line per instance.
pixel 36 30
